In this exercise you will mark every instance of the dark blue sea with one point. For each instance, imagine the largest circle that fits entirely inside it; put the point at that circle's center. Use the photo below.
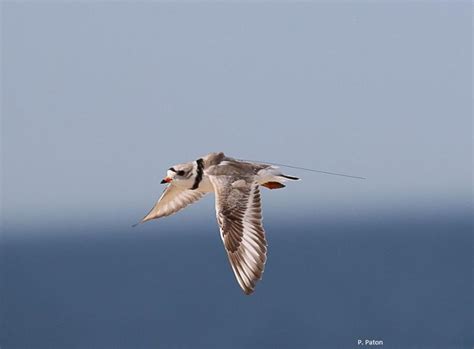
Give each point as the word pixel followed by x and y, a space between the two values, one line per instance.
pixel 405 280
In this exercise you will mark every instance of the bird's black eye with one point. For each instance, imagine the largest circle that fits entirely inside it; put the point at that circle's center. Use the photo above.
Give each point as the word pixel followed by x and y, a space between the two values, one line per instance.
pixel 180 173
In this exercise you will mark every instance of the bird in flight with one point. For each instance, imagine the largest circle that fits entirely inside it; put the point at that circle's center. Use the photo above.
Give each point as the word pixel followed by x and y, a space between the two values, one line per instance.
pixel 235 184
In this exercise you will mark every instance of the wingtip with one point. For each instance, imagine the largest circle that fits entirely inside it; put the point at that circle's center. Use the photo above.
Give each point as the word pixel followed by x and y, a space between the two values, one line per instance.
pixel 248 291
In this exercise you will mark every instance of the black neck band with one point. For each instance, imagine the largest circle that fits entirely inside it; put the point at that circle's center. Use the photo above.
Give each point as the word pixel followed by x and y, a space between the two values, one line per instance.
pixel 200 171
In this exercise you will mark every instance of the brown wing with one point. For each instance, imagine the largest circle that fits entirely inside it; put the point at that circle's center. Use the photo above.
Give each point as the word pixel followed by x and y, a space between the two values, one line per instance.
pixel 239 215
pixel 172 200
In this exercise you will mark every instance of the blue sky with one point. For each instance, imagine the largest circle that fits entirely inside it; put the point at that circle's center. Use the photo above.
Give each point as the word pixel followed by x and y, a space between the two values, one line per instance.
pixel 100 98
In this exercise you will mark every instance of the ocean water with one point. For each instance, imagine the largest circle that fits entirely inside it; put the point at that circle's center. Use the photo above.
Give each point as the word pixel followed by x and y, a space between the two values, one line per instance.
pixel 405 280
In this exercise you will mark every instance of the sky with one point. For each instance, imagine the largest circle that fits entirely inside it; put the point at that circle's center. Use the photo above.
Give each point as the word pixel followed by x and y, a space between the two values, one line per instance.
pixel 99 99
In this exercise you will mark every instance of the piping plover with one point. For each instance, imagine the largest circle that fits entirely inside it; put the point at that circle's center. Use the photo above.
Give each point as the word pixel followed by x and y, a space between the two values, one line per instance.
pixel 238 208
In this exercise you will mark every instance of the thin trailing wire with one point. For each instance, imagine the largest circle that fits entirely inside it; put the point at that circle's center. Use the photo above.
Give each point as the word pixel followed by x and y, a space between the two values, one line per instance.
pixel 306 169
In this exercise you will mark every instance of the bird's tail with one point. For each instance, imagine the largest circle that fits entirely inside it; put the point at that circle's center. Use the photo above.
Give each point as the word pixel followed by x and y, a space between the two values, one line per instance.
pixel 272 178
pixel 290 177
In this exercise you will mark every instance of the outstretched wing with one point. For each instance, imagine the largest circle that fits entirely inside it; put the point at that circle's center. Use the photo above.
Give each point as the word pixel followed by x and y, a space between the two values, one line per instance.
pixel 239 215
pixel 172 200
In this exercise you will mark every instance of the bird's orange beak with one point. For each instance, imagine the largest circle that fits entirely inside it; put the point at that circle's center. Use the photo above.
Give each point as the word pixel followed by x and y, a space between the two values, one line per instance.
pixel 166 180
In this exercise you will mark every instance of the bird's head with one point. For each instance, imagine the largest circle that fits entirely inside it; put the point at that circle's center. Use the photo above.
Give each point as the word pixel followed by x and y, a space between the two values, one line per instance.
pixel 179 174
